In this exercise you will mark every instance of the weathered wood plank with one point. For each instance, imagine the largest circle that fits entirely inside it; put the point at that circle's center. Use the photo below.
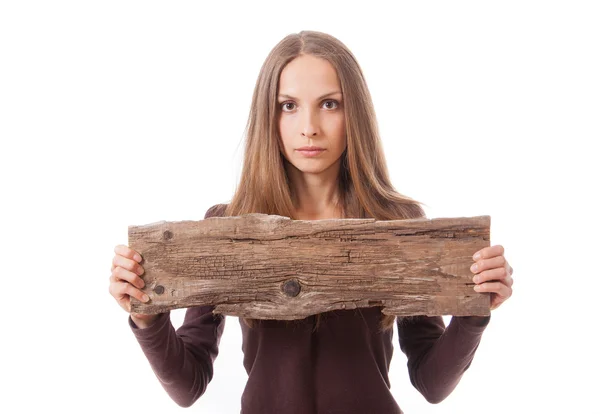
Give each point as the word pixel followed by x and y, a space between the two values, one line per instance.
pixel 271 267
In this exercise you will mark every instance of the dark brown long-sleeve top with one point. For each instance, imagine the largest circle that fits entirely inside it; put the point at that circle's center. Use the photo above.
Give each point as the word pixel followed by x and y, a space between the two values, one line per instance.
pixel 293 368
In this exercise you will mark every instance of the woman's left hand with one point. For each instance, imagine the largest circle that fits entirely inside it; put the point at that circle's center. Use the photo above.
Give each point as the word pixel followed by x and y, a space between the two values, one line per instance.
pixel 493 274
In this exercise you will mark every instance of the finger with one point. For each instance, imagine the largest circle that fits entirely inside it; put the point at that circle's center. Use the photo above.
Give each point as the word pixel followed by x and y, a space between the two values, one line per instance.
pixel 485 264
pixel 128 289
pixel 508 280
pixel 494 287
pixel 118 291
pixel 499 274
pixel 125 275
pixel 128 252
pixel 498 300
pixel 111 288
pixel 115 290
pixel 488 252
pixel 128 264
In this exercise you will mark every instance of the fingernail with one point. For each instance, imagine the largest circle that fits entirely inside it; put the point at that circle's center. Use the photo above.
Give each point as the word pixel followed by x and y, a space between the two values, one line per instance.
pixel 137 258
pixel 145 298
pixel 477 288
pixel 477 256
pixel 474 268
pixel 476 279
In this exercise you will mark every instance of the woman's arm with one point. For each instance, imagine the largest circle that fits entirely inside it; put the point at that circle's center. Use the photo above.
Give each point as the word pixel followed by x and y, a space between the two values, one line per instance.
pixel 182 360
pixel 439 355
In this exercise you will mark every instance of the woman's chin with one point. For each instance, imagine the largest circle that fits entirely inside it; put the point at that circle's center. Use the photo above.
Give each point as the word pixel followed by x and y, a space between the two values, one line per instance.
pixel 312 168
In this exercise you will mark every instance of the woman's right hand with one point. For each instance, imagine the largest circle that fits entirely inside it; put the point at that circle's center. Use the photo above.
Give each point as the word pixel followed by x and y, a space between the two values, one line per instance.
pixel 125 282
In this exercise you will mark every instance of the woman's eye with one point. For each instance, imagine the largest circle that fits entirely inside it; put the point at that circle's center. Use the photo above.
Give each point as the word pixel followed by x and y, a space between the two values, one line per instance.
pixel 285 105
pixel 333 102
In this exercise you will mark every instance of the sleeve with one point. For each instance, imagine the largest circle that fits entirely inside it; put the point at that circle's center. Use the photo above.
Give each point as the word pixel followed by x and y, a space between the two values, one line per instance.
pixel 183 359
pixel 438 355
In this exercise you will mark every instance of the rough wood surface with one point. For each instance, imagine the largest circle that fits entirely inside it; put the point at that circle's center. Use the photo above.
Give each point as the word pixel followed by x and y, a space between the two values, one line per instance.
pixel 271 267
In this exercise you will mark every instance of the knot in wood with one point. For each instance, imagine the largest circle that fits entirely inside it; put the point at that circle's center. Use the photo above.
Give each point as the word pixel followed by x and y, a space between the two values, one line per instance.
pixel 167 234
pixel 159 290
pixel 291 288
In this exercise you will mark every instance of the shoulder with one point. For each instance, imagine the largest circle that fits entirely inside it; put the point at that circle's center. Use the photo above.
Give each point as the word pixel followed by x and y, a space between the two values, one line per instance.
pixel 218 210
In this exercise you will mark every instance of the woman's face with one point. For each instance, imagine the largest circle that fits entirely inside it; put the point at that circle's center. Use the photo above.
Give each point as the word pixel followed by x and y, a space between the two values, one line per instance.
pixel 311 113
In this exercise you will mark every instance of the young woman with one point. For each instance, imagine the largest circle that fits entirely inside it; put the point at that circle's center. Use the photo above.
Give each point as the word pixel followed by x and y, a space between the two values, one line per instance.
pixel 313 152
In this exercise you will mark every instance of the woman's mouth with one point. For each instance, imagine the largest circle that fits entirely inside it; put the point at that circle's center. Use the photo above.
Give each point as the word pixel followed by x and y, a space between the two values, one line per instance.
pixel 310 151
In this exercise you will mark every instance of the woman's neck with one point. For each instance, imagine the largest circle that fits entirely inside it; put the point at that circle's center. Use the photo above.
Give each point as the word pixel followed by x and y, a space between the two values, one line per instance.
pixel 316 196
pixel 329 213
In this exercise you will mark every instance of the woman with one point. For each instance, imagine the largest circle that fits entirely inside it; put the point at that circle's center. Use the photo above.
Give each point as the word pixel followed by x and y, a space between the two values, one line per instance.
pixel 313 152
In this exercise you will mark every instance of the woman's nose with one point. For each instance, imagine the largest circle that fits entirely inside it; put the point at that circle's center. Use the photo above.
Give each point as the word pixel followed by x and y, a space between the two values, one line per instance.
pixel 310 125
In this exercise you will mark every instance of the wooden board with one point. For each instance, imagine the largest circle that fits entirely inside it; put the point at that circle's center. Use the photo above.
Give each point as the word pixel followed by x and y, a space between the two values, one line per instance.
pixel 271 267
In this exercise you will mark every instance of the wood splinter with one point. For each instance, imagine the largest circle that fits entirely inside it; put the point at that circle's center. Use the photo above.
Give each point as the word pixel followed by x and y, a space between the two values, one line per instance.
pixel 271 267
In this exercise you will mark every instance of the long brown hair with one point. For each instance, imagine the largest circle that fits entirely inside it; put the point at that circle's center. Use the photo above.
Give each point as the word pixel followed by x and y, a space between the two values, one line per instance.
pixel 364 184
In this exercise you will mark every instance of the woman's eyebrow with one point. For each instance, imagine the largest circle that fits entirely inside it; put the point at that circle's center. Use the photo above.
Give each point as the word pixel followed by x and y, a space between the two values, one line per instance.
pixel 283 95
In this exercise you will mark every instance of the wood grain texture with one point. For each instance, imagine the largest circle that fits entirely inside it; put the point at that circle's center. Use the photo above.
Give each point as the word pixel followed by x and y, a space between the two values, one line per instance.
pixel 271 267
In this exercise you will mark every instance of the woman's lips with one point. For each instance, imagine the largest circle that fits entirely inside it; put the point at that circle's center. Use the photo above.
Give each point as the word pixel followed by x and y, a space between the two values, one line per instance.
pixel 310 153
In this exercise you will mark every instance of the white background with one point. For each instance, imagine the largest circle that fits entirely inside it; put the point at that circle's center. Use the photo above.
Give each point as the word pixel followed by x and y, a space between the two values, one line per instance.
pixel 118 113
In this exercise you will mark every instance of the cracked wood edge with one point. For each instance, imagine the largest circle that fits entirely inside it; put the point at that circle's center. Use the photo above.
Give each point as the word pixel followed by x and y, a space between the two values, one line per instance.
pixel 271 267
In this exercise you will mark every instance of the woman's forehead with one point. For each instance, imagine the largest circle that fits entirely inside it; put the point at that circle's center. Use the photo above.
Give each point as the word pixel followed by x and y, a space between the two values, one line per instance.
pixel 308 77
